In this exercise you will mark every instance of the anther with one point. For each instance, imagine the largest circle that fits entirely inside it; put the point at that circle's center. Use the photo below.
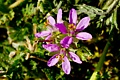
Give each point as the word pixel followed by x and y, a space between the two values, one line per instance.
pixel 46 23
pixel 71 26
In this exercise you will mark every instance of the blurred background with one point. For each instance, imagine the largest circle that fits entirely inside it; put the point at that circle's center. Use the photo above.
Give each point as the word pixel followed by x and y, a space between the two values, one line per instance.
pixel 22 58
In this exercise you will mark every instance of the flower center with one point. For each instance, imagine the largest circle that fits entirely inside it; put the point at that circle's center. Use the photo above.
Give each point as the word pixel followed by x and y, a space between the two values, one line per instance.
pixel 71 27
pixel 60 56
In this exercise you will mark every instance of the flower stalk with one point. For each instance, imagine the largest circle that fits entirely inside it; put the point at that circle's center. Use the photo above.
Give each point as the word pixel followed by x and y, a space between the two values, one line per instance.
pixel 101 62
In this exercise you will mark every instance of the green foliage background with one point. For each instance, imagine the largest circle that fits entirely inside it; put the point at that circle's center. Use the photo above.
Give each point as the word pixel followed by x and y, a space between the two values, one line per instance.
pixel 22 58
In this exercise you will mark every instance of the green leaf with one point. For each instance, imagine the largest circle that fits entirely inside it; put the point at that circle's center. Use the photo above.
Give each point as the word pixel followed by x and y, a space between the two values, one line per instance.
pixel 81 55
pixel 89 10
pixel 34 64
pixel 83 52
pixel 18 57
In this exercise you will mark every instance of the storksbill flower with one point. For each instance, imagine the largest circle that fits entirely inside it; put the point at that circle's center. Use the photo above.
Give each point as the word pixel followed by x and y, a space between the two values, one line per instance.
pixel 61 55
pixel 62 47
pixel 51 26
pixel 73 29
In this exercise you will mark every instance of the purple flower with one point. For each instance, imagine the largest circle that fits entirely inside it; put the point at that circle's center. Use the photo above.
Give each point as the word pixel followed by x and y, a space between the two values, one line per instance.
pixel 51 26
pixel 74 30
pixel 62 56
pixel 65 62
pixel 62 48
pixel 84 22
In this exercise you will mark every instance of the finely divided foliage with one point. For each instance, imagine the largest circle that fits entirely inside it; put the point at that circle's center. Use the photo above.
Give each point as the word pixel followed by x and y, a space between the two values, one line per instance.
pixel 51 40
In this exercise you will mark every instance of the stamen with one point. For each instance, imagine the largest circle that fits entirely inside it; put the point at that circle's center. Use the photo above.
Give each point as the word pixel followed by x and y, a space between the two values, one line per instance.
pixel 71 27
pixel 61 57
pixel 63 61
pixel 57 56
pixel 46 23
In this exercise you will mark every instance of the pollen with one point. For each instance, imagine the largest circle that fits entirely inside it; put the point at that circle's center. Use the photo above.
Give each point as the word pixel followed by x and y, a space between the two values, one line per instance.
pixel 71 27
pixel 63 61
pixel 46 23
pixel 57 56
pixel 61 57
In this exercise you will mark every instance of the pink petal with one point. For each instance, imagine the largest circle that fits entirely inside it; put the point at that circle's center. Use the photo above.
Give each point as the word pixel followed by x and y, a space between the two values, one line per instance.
pixel 84 36
pixel 72 16
pixel 52 28
pixel 51 47
pixel 66 65
pixel 84 22
pixel 75 58
pixel 66 41
pixel 59 16
pixel 51 20
pixel 42 34
pixel 61 27
pixel 53 60
pixel 48 37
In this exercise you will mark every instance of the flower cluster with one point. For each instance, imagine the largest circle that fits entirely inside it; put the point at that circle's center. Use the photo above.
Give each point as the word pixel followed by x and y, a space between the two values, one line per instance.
pixel 61 36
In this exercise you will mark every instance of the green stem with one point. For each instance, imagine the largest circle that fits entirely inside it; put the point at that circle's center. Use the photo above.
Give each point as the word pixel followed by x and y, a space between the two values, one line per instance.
pixel 110 7
pixel 102 58
pixel 101 62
